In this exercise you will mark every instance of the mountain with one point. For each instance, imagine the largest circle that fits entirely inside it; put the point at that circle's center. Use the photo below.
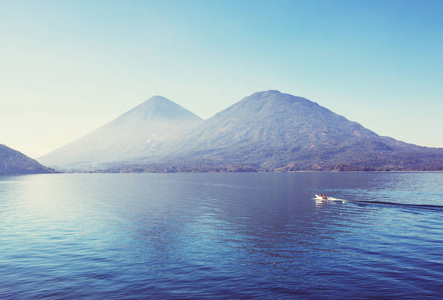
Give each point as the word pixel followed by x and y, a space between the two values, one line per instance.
pixel 267 131
pixel 275 131
pixel 139 132
pixel 13 162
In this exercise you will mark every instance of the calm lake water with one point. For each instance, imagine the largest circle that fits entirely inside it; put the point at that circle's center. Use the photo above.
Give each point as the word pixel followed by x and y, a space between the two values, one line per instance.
pixel 221 236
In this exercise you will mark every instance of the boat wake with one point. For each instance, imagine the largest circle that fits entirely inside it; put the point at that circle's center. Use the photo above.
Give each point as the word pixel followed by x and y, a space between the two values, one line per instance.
pixel 384 203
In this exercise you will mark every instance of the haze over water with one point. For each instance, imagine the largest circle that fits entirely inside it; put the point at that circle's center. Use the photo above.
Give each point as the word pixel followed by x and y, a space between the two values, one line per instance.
pixel 234 235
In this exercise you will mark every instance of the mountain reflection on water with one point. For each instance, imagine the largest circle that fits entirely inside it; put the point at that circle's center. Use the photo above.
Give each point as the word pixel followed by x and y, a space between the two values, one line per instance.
pixel 236 235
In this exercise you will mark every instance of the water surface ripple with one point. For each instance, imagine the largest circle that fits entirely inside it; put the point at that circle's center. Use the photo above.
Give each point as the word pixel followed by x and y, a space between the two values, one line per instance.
pixel 223 236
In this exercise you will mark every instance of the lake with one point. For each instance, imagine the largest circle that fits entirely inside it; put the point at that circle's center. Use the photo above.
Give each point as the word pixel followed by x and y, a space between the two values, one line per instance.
pixel 221 236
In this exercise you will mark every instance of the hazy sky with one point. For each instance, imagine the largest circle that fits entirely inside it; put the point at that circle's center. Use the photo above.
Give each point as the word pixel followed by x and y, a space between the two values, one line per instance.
pixel 68 67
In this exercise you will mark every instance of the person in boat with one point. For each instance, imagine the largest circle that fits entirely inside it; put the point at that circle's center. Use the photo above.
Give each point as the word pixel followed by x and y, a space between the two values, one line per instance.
pixel 323 197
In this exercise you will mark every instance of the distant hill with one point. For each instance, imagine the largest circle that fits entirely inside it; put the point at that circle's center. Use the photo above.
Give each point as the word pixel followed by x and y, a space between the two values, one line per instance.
pixel 267 131
pixel 13 162
pixel 139 132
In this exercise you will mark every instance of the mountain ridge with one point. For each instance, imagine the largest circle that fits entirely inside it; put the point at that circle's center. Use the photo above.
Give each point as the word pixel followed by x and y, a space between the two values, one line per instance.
pixel 270 130
pixel 159 107
pixel 274 131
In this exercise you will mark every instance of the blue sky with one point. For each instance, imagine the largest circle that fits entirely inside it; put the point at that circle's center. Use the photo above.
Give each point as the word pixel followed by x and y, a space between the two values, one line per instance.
pixel 68 67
